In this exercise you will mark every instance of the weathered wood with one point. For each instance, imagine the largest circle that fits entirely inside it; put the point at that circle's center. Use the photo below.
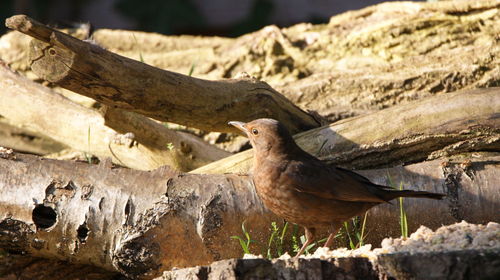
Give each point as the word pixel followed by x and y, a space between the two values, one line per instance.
pixel 24 140
pixel 459 265
pixel 18 266
pixel 438 126
pixel 129 139
pixel 257 269
pixel 393 53
pixel 361 61
pixel 140 223
pixel 128 84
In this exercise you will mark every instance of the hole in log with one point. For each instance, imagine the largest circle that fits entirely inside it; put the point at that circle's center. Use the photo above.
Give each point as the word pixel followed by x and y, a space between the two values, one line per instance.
pixel 82 233
pixel 52 52
pixel 44 217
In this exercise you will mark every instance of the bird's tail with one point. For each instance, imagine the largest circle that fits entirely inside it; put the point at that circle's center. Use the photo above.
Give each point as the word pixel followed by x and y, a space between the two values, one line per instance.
pixel 392 194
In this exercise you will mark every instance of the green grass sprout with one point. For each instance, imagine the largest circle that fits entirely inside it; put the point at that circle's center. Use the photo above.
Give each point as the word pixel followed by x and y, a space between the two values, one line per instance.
pixel 191 70
pixel 244 242
pixel 403 220
pixel 141 59
pixel 88 155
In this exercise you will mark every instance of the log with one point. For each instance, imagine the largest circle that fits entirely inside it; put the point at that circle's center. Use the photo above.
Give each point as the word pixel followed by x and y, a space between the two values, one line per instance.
pixel 442 125
pixel 460 265
pixel 25 140
pixel 18 266
pixel 466 264
pixel 394 53
pixel 361 61
pixel 129 139
pixel 124 83
pixel 141 223
pixel 258 269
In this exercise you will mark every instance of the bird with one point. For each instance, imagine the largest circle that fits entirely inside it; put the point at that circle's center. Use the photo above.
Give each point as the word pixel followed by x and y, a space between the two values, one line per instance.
pixel 302 189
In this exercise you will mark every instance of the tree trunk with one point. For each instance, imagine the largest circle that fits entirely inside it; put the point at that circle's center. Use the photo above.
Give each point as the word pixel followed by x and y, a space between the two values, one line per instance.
pixel 98 215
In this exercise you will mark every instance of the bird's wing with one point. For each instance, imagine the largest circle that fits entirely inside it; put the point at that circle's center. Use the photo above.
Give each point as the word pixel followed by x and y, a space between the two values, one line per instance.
pixel 331 182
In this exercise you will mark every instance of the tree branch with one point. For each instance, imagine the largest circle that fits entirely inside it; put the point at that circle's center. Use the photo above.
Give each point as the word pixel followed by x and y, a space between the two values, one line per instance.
pixel 129 139
pixel 124 83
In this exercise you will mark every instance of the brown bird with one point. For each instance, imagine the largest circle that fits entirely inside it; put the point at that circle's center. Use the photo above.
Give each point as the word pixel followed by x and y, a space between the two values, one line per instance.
pixel 303 190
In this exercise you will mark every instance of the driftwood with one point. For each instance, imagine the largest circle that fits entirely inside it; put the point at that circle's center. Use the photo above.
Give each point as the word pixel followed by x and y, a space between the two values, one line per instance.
pixel 129 139
pixel 98 215
pixel 439 126
pixel 128 84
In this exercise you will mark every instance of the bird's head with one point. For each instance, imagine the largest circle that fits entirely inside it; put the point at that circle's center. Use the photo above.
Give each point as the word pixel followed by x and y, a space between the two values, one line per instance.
pixel 266 135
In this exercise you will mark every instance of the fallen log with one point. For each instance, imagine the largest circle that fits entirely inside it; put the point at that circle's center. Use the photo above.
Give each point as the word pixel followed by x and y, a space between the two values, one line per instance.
pixel 361 61
pixel 141 223
pixel 442 125
pixel 25 140
pixel 129 139
pixel 120 82
pixel 482 264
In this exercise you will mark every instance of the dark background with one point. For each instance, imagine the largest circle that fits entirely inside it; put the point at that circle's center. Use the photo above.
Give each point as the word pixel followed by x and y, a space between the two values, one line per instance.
pixel 200 17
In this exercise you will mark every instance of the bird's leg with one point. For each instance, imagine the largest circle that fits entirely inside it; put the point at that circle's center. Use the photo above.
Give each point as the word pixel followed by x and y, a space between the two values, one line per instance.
pixel 310 232
pixel 335 229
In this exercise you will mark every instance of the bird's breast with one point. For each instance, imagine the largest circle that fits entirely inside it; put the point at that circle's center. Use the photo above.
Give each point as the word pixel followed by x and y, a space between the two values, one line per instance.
pixel 278 195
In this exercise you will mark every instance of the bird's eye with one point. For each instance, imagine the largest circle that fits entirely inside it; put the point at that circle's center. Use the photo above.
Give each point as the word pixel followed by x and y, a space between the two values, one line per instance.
pixel 255 131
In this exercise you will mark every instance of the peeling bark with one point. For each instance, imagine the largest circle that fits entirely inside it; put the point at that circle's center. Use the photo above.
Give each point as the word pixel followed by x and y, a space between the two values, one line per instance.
pixel 94 214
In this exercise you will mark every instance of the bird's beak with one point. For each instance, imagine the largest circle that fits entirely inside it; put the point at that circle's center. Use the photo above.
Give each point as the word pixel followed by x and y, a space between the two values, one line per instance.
pixel 238 125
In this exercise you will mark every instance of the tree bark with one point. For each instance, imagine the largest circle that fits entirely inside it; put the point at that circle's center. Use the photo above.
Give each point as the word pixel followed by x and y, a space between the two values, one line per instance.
pixel 438 126
pixel 129 139
pixel 16 266
pixel 124 83
pixel 94 214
